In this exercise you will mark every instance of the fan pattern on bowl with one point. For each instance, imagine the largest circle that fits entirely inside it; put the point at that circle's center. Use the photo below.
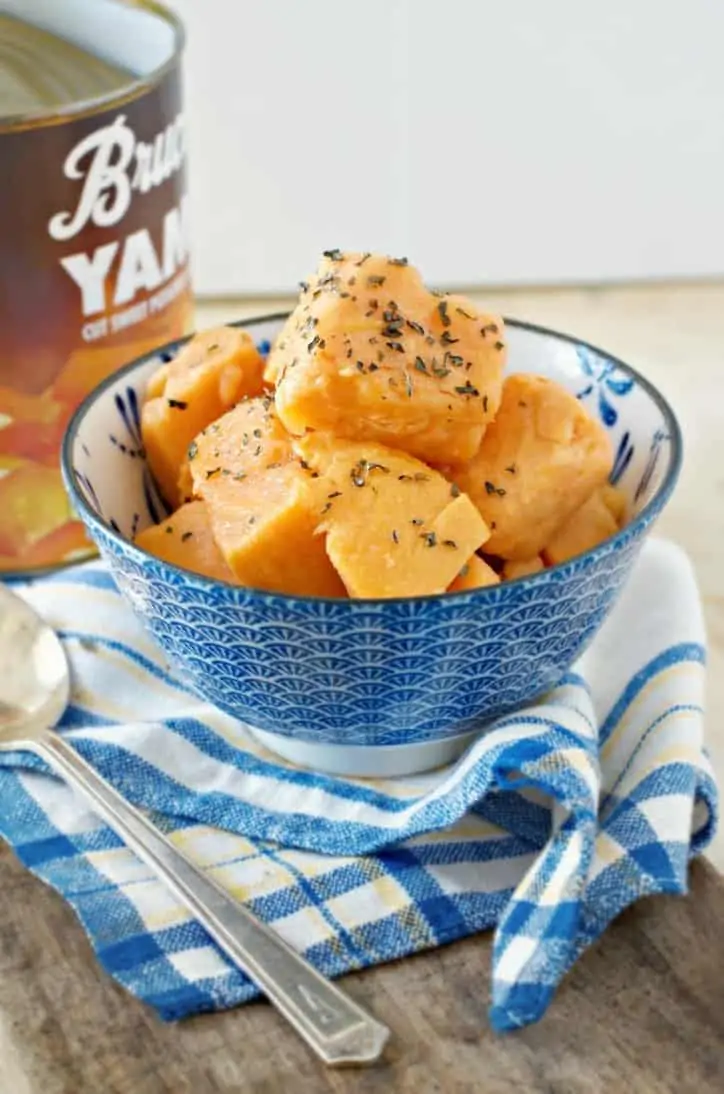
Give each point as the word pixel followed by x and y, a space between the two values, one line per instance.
pixel 373 673
pixel 389 673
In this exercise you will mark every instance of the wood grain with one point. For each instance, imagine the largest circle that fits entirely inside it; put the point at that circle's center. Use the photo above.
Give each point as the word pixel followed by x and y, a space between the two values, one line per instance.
pixel 643 1011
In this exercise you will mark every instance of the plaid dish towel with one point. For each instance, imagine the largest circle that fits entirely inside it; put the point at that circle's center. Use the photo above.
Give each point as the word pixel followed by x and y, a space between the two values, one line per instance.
pixel 552 823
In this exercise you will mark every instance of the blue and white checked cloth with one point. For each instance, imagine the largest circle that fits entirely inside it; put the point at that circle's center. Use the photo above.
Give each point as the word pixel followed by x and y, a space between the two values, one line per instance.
pixel 550 825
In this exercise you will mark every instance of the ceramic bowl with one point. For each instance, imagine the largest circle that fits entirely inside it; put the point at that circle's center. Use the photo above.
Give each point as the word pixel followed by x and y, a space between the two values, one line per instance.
pixel 378 687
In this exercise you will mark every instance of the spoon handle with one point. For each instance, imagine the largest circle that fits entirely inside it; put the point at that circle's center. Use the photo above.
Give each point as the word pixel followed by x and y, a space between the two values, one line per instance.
pixel 336 1028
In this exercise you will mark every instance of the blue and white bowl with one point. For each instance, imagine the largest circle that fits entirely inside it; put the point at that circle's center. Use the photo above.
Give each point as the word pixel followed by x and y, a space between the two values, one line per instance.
pixel 373 687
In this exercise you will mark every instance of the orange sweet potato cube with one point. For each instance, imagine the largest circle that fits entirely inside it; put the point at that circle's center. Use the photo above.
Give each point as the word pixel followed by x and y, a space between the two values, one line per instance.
pixel 262 503
pixel 185 539
pixel 370 354
pixel 522 567
pixel 394 526
pixel 475 574
pixel 586 528
pixel 210 374
pixel 538 462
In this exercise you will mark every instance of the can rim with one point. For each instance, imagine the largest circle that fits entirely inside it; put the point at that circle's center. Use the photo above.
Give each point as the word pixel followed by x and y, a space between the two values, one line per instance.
pixel 11 123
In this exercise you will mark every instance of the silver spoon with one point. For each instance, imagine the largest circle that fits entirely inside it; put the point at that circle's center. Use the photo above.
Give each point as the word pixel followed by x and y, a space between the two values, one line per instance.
pixel 34 692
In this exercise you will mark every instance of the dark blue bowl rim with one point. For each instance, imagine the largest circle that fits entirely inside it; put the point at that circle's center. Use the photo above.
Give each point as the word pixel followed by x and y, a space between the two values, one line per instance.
pixel 647 515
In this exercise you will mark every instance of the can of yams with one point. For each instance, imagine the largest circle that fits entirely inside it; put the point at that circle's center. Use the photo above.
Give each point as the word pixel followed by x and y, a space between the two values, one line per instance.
pixel 94 263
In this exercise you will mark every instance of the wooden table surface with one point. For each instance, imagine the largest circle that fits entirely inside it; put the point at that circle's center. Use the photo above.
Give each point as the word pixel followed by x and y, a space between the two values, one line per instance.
pixel 643 1011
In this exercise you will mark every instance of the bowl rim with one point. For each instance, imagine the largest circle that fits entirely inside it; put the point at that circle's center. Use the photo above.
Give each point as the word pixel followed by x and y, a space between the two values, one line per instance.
pixel 647 514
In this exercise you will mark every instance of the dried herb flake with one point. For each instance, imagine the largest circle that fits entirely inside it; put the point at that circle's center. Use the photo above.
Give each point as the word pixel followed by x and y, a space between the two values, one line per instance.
pixel 467 389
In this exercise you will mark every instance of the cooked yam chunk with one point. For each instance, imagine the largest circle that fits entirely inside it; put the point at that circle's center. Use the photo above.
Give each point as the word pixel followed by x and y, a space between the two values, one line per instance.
pixel 586 528
pixel 262 503
pixel 186 540
pixel 394 526
pixel 523 567
pixel 475 574
pixel 211 373
pixel 538 462
pixel 370 354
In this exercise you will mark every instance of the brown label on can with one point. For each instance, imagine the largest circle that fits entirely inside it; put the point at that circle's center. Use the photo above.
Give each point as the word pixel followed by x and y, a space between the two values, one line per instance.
pixel 93 272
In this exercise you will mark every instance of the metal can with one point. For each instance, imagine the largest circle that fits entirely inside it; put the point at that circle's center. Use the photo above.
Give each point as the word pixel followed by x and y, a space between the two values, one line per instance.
pixel 94 257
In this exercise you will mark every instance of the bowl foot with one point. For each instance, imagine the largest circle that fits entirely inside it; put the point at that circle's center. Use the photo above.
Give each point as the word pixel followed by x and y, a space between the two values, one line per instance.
pixel 366 761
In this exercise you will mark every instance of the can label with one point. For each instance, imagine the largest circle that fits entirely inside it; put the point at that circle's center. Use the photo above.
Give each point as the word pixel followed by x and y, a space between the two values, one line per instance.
pixel 94 271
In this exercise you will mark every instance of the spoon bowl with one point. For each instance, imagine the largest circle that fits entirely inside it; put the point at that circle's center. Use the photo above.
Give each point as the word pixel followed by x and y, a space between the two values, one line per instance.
pixel 35 678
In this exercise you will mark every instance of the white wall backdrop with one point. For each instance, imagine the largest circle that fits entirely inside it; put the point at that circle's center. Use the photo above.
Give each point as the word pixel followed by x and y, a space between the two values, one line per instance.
pixel 525 141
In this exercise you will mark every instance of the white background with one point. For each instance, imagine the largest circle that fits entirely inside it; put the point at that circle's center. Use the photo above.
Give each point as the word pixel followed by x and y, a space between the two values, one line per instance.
pixel 492 141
